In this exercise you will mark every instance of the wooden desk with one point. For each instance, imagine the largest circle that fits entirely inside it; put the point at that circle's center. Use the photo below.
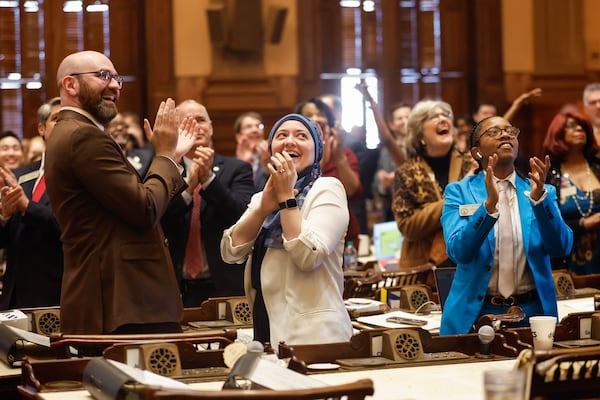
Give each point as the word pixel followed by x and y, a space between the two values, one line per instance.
pixel 461 381
pixel 447 382
pixel 9 379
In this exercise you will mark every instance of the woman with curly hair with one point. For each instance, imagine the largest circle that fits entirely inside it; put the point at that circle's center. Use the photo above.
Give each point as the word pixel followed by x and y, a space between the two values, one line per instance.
pixel 575 173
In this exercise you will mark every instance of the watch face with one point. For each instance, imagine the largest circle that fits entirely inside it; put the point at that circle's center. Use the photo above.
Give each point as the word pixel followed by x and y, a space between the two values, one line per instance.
pixel 289 203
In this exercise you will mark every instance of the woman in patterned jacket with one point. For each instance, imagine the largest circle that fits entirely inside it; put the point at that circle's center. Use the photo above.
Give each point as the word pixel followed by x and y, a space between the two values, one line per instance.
pixel 419 184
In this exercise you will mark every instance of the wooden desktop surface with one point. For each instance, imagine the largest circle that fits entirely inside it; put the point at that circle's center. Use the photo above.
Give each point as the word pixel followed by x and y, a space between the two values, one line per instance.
pixel 451 381
pixel 6 371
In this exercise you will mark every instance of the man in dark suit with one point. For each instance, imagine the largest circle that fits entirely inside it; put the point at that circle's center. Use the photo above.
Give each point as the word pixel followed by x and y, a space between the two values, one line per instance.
pixel 29 232
pixel 118 276
pixel 225 187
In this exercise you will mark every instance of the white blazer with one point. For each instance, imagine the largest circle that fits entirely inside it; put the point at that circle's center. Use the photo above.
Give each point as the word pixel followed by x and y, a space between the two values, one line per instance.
pixel 303 283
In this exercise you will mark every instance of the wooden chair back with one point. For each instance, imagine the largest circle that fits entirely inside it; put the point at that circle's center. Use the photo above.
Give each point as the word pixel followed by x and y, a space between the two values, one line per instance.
pixel 363 286
pixel 562 373
pixel 413 276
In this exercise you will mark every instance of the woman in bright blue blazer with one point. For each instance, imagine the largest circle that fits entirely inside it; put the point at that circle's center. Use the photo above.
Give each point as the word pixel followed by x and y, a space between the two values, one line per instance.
pixel 469 217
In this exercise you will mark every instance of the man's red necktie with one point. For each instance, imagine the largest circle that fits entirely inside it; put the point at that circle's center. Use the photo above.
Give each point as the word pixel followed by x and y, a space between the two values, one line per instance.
pixel 39 189
pixel 194 260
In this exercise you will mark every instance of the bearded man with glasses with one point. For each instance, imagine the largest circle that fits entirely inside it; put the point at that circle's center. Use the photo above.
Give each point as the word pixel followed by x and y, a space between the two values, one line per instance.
pixel 501 230
pixel 118 276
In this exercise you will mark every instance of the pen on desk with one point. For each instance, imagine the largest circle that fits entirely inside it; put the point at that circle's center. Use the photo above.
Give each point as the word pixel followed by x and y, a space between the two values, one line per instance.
pixel 406 321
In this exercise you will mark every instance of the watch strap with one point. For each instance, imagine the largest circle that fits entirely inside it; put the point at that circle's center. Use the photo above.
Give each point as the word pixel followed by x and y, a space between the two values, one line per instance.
pixel 289 203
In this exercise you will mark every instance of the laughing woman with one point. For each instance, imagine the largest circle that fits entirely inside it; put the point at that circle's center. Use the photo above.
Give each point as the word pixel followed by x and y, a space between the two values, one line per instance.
pixel 419 183
pixel 292 239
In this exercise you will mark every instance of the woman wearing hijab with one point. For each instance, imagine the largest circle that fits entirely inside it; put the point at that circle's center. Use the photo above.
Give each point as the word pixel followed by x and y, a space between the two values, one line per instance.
pixel 292 239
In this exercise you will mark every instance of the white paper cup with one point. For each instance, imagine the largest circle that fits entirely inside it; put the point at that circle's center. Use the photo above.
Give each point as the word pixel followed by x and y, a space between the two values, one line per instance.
pixel 506 384
pixel 542 330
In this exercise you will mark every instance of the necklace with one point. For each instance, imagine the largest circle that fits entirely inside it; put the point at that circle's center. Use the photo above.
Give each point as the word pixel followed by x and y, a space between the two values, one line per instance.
pixel 588 195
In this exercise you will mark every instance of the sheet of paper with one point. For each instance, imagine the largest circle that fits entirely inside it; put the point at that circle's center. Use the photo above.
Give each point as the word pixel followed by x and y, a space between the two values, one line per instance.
pixel 276 377
pixel 433 320
pixel 566 307
pixel 32 337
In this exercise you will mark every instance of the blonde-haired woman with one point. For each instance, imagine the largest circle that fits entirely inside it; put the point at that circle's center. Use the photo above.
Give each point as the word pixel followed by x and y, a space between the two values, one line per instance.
pixel 419 184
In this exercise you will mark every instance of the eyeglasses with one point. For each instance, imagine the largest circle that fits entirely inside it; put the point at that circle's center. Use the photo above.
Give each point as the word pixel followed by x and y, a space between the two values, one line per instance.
pixel 432 116
pixel 495 132
pixel 105 75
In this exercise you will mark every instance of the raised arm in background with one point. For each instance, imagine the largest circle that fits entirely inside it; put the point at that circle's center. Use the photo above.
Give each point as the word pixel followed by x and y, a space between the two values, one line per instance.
pixel 386 137
pixel 519 101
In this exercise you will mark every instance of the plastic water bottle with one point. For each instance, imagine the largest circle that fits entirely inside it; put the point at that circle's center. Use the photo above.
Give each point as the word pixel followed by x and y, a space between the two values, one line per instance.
pixel 350 257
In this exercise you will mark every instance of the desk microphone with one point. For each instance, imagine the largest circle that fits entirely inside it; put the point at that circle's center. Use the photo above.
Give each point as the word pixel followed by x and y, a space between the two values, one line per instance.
pixel 486 335
pixel 255 347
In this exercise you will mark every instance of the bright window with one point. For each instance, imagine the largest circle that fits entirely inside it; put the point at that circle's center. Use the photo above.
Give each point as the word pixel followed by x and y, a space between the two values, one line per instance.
pixel 355 111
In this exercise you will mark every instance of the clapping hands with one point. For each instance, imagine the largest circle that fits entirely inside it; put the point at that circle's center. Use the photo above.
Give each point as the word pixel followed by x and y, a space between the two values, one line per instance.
pixel 167 138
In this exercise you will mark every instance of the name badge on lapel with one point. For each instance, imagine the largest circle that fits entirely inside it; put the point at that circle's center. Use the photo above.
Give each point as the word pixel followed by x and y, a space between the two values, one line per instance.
pixel 467 210
pixel 30 176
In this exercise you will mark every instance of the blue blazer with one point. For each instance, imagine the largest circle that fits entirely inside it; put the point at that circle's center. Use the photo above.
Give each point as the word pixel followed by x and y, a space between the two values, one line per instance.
pixel 470 243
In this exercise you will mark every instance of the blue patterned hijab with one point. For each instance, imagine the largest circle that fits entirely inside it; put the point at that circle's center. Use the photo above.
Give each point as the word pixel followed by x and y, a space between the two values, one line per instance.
pixel 306 177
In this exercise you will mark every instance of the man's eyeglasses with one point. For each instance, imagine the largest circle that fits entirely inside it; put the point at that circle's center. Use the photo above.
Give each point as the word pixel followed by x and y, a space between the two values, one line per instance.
pixel 105 75
pixel 495 132
pixel 432 116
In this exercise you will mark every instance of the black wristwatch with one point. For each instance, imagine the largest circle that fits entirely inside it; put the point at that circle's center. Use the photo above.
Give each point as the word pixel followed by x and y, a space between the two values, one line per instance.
pixel 289 203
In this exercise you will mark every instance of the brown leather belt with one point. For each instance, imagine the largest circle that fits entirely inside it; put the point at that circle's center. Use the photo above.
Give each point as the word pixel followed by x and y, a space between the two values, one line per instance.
pixel 511 300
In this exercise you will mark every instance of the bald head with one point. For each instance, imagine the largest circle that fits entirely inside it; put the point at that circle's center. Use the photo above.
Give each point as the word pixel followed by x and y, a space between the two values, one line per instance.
pixel 83 61
pixel 81 84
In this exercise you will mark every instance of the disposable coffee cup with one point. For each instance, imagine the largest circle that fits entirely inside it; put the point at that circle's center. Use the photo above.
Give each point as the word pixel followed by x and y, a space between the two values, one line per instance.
pixel 542 331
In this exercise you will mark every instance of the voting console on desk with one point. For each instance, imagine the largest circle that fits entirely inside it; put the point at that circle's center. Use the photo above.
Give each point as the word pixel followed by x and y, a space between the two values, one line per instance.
pixel 43 320
pixel 25 332
pixel 392 348
pixel 220 312
pixel 576 330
